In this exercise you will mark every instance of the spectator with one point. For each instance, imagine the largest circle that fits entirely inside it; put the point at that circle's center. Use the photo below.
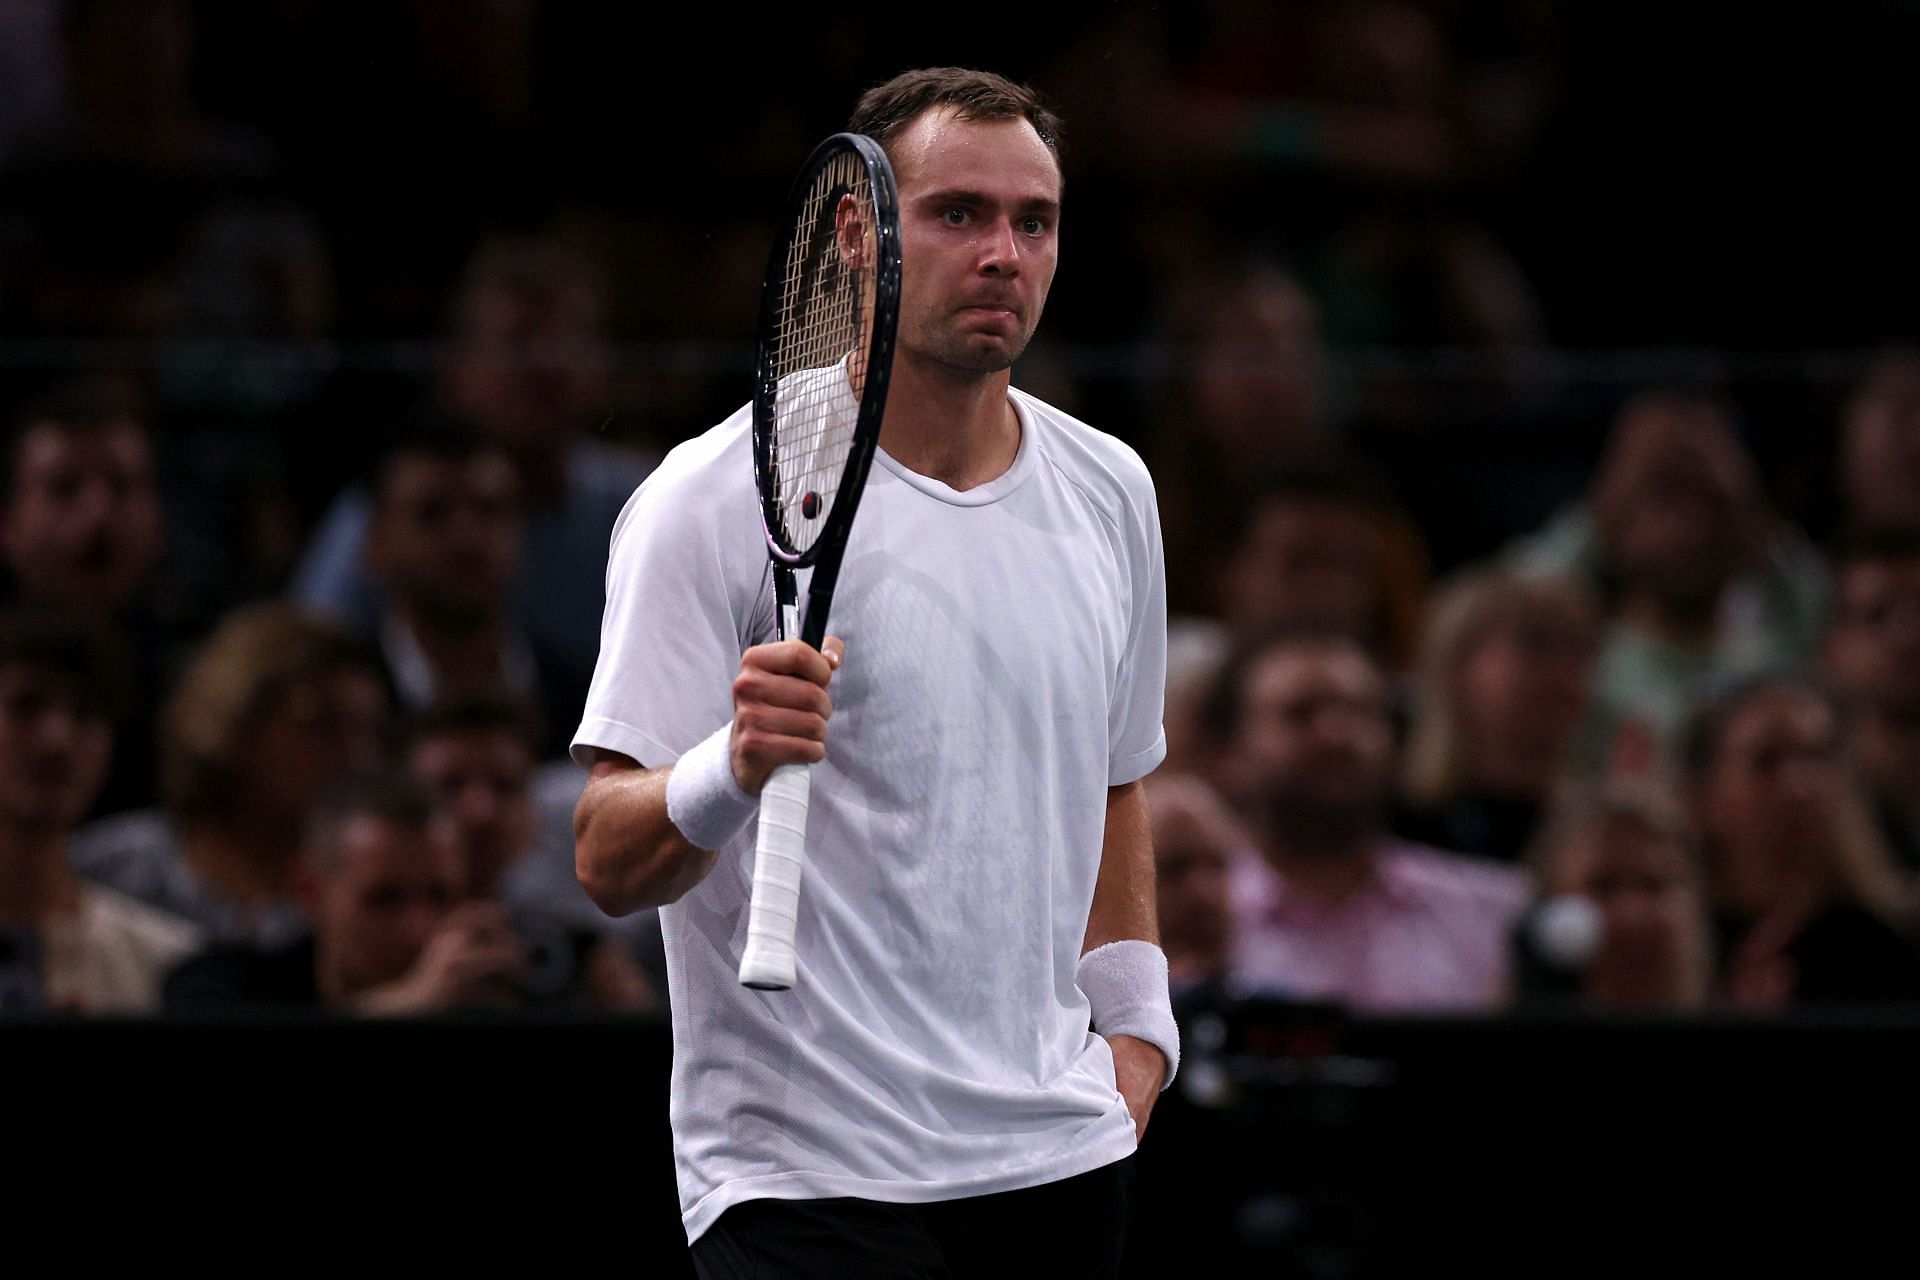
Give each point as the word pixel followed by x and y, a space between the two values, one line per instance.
pixel 1624 851
pixel 1195 837
pixel 444 545
pixel 1872 656
pixel 1704 582
pixel 381 878
pixel 82 534
pixel 1506 669
pixel 1322 545
pixel 475 756
pixel 527 370
pixel 271 709
pixel 1804 894
pixel 1335 907
pixel 71 946
pixel 1880 445
pixel 1247 403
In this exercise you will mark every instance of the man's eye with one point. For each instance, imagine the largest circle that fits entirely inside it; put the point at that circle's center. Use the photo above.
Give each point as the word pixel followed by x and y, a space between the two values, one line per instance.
pixel 955 217
pixel 1033 226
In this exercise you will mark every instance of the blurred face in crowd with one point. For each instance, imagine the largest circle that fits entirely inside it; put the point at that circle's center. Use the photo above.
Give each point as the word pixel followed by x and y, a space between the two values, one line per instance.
pixel 317 729
pixel 1521 691
pixel 1256 372
pixel 378 895
pixel 1679 503
pixel 1193 838
pixel 1880 448
pixel 1643 882
pixel 530 363
pixel 979 239
pixel 1769 801
pixel 54 749
pixel 82 527
pixel 447 534
pixel 1873 641
pixel 1315 742
pixel 1305 559
pixel 480 779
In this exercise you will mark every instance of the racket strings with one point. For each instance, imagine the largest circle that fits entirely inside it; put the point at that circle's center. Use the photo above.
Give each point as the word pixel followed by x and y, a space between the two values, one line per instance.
pixel 823 318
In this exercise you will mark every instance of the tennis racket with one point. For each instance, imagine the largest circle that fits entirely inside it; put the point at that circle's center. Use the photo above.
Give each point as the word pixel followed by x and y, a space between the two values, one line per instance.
pixel 824 351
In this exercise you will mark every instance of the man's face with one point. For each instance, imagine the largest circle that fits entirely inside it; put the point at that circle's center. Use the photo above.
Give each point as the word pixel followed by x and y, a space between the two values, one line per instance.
pixel 1771 797
pixel 1685 501
pixel 480 778
pixel 316 730
pixel 979 229
pixel 1873 645
pixel 447 534
pixel 54 749
pixel 1880 449
pixel 1524 685
pixel 82 528
pixel 1305 559
pixel 379 897
pixel 1315 737
pixel 530 366
pixel 1641 881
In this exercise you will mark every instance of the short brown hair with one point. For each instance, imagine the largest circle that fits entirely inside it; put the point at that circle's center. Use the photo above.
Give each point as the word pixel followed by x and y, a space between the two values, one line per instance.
pixel 886 110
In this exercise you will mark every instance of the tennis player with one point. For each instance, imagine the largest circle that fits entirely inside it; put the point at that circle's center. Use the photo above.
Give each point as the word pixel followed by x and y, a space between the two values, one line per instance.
pixel 928 1100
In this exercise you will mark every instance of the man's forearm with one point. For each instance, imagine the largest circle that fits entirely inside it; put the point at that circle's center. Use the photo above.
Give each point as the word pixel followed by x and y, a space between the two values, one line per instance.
pixel 627 852
pixel 1123 897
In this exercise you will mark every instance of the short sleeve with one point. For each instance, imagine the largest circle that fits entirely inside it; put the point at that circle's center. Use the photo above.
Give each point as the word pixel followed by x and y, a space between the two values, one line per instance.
pixel 1137 741
pixel 683 572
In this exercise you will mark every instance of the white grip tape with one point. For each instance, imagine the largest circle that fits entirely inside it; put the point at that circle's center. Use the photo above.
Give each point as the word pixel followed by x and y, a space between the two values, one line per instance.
pixel 779 851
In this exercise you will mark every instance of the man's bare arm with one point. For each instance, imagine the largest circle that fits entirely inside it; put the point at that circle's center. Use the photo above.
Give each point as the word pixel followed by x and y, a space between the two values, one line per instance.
pixel 627 851
pixel 1123 909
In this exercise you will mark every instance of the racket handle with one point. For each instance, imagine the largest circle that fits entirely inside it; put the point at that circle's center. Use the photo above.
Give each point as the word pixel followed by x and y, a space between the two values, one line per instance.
pixel 774 910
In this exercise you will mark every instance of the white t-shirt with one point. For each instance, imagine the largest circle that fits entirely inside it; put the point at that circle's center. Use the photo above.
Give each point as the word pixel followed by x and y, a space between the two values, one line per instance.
pixel 1005 661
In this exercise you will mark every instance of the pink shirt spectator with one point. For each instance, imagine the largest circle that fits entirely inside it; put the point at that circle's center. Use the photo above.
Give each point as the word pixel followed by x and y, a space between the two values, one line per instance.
pixel 1430 933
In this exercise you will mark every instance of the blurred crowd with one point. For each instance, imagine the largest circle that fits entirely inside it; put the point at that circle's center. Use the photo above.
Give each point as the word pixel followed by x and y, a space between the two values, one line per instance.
pixel 333 341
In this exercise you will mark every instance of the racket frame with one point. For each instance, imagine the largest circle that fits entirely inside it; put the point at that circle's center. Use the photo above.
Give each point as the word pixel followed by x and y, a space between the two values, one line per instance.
pixel 768 962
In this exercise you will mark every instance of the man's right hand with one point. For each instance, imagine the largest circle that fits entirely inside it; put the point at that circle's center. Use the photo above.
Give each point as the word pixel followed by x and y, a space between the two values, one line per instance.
pixel 780 708
pixel 473 960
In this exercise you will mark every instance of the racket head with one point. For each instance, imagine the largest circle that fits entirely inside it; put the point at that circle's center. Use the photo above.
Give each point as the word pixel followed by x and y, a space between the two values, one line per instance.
pixel 824 349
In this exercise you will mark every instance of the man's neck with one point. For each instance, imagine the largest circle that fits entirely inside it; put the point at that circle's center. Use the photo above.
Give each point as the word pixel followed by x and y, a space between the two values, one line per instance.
pixel 36 882
pixel 955 427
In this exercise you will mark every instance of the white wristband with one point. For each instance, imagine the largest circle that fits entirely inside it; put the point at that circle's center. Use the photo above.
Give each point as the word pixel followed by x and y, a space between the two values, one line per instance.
pixel 704 799
pixel 1126 987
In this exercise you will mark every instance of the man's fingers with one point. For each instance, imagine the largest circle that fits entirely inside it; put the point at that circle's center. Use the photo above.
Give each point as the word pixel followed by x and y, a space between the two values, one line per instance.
pixel 765 724
pixel 754 687
pixel 789 658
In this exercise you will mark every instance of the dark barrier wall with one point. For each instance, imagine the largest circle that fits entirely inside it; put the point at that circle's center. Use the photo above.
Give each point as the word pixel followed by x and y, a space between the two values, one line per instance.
pixel 1295 1145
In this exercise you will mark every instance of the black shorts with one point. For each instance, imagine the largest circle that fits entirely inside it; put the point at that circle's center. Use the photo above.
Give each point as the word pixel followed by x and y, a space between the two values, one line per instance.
pixel 1072 1228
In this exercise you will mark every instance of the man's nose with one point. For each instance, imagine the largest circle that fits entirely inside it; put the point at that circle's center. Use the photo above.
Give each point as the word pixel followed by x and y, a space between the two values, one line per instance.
pixel 1000 250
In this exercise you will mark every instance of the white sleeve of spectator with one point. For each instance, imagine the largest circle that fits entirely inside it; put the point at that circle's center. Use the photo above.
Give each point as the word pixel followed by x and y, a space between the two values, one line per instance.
pixel 1137 741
